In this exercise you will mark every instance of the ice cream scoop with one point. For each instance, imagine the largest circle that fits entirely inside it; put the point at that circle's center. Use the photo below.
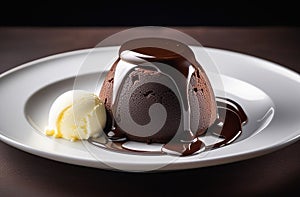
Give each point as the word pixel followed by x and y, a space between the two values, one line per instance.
pixel 76 115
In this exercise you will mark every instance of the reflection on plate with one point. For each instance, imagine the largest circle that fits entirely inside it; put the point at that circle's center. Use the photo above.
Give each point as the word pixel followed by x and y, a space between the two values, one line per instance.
pixel 262 88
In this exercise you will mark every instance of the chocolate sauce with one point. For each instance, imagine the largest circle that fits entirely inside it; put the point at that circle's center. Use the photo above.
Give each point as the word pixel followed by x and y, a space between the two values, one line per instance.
pixel 183 148
pixel 228 126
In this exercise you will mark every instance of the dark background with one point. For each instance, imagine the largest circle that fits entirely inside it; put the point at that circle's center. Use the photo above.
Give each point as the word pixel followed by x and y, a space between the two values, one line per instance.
pixel 162 13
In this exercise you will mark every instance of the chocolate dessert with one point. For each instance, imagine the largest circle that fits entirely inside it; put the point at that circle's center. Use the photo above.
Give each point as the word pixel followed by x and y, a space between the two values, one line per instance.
pixel 143 85
pixel 156 92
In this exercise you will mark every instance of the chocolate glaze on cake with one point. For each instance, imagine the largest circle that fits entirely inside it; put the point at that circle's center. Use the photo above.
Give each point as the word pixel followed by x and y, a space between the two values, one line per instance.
pixel 144 85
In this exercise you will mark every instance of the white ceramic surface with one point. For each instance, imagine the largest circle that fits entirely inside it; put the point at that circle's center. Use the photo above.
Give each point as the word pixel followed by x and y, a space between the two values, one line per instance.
pixel 268 93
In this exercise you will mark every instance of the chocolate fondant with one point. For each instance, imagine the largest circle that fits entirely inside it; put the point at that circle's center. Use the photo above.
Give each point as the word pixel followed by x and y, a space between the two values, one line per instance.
pixel 155 72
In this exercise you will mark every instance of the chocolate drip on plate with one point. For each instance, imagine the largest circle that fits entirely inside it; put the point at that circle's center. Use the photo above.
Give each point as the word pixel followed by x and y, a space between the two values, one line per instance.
pixel 228 126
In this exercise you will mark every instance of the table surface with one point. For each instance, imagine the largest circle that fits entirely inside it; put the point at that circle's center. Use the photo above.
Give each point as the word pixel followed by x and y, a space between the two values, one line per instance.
pixel 28 175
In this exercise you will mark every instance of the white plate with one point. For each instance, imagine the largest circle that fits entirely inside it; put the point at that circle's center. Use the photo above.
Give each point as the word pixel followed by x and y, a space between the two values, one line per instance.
pixel 269 94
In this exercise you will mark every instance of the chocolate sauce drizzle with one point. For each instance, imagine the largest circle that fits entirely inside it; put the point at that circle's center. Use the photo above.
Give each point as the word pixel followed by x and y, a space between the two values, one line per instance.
pixel 228 127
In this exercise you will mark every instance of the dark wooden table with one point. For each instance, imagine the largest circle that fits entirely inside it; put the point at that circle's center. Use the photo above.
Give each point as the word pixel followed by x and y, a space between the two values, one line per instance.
pixel 23 174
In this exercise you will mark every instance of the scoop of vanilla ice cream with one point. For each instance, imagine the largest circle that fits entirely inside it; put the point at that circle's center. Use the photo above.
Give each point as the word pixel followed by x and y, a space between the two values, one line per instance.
pixel 76 115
